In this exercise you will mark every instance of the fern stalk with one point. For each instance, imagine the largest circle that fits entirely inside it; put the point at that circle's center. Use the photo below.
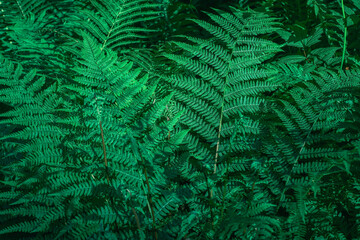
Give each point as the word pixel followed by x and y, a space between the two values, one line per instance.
pixel 222 114
pixel 210 193
pixel 150 201
pixel 103 141
pixel 298 156
pixel 138 154
pixel 233 137
pixel 106 165
pixel 107 173
pixel 345 33
pixel 111 29
pixel 21 9
pixel 104 150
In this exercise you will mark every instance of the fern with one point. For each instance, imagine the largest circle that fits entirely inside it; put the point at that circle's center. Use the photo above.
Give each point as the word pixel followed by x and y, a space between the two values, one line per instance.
pixel 128 120
pixel 70 176
pixel 313 119
pixel 119 25
pixel 220 87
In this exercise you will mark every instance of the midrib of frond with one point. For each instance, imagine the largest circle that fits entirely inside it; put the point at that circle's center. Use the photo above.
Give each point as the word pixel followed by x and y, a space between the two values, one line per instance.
pixel 20 7
pixel 111 29
pixel 226 74
pixel 222 111
pixel 222 108
pixel 298 157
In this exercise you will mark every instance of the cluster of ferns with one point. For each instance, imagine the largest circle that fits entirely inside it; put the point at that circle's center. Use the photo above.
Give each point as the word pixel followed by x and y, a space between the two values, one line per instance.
pixel 146 119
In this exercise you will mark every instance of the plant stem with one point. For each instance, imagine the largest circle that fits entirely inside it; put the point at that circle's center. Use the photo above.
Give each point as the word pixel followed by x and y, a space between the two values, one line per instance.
pixel 107 176
pixel 345 33
pixel 150 201
pixel 105 159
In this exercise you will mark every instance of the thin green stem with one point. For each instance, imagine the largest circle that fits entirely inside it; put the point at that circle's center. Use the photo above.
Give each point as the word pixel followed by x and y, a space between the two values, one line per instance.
pixel 345 33
pixel 107 175
pixel 151 203
pixel 298 157
pixel 210 199
pixel 149 195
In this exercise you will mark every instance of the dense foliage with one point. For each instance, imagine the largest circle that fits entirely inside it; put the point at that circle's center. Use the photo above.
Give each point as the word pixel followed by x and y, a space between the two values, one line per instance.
pixel 159 119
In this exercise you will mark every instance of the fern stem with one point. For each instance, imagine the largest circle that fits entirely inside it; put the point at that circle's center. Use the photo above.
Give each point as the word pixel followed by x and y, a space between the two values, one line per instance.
pixel 209 192
pixel 150 202
pixel 233 137
pixel 111 29
pixel 106 168
pixel 108 180
pixel 222 112
pixel 225 189
pixel 219 131
pixel 298 156
pixel 104 150
pixel 137 152
pixel 136 218
pixel 20 7
pixel 345 33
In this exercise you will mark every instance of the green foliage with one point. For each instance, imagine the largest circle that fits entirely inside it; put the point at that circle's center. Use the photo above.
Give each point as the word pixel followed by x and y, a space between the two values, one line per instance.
pixel 152 119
